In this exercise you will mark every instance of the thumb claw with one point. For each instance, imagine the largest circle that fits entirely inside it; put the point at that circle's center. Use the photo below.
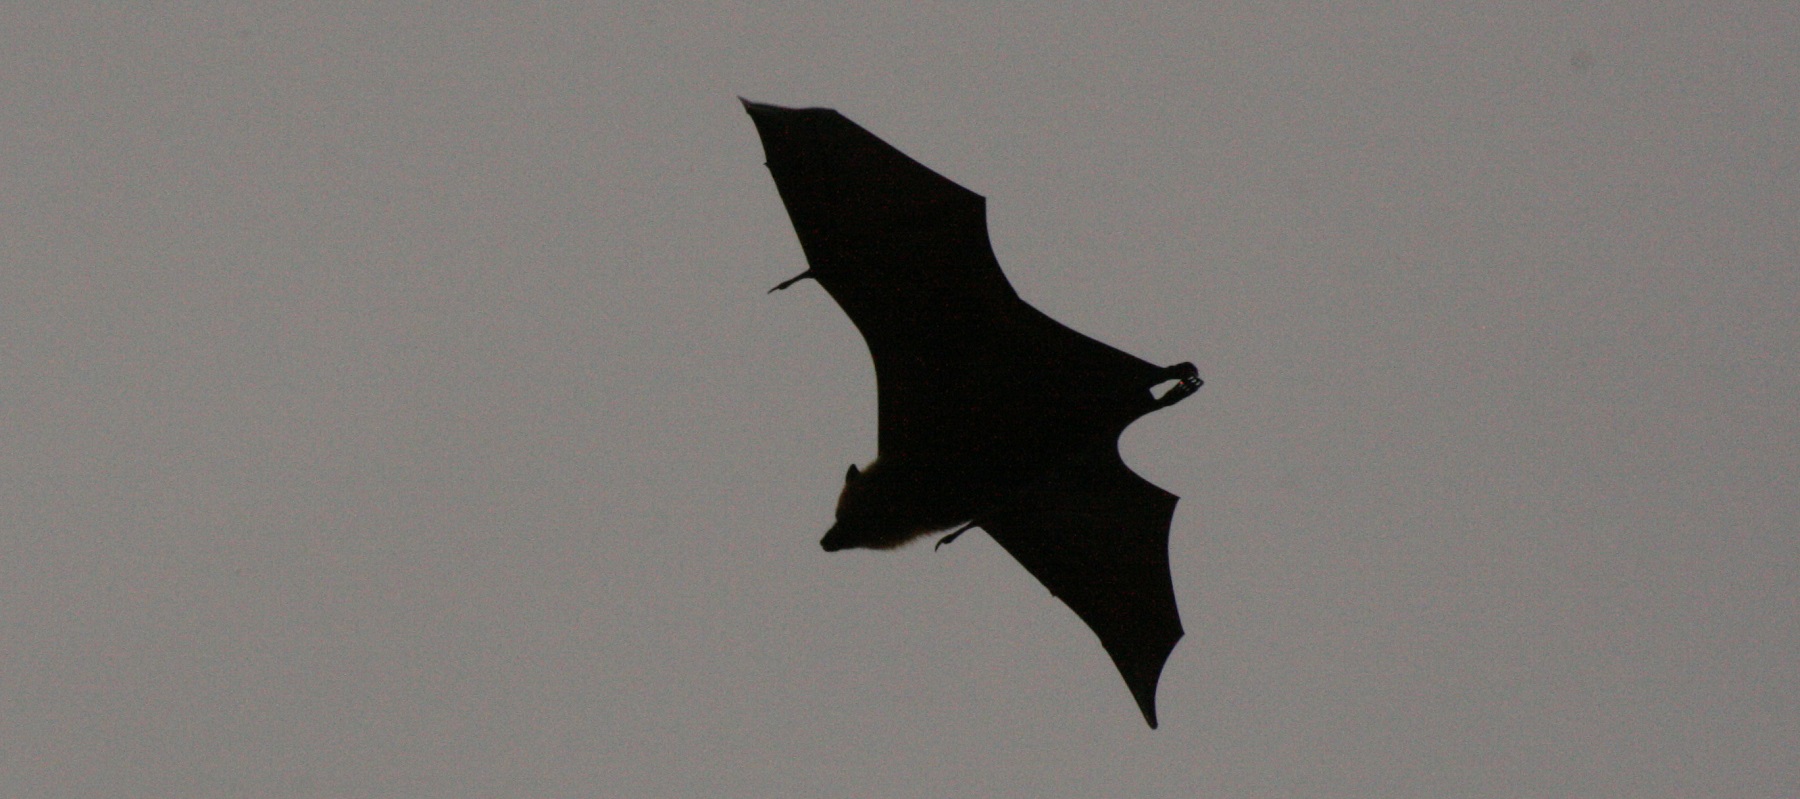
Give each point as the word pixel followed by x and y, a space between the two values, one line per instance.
pixel 952 537
pixel 791 281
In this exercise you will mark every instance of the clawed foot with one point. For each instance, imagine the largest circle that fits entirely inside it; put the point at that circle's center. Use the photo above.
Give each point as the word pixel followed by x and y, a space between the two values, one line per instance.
pixel 1188 382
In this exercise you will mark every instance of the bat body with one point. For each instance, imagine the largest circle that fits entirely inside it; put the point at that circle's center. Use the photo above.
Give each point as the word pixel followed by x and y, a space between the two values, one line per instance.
pixel 992 414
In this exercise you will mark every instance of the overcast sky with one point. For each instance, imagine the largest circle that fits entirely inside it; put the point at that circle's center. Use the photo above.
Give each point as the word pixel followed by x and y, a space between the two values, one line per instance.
pixel 391 405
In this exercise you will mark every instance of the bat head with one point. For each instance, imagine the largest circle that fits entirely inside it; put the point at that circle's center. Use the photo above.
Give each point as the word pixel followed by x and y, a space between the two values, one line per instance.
pixel 881 508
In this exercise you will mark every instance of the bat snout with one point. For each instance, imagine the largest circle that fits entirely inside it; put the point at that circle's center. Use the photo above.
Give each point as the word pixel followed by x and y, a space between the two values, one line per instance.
pixel 855 534
pixel 835 539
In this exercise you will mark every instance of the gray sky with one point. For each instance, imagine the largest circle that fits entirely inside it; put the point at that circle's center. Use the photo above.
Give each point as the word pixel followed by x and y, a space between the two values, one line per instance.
pixel 391 405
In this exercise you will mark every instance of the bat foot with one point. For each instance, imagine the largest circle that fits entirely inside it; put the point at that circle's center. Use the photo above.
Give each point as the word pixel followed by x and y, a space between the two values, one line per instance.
pixel 1187 382
pixel 791 281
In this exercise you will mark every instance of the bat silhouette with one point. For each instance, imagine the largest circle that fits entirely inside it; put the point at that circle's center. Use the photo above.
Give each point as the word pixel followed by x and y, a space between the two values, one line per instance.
pixel 992 414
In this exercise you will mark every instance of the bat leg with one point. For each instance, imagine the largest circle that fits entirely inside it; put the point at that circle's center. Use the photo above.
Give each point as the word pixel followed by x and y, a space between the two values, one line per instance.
pixel 792 280
pixel 952 537
pixel 1187 382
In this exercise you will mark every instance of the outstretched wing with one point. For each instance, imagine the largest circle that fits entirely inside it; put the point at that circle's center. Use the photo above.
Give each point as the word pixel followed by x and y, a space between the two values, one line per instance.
pixel 1097 535
pixel 903 249
pixel 905 252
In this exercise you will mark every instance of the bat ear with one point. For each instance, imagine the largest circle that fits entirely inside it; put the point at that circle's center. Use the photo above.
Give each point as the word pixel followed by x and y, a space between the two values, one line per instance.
pixel 851 475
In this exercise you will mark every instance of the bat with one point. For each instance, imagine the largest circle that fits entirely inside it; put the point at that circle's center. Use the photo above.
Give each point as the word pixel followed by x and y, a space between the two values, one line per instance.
pixel 991 414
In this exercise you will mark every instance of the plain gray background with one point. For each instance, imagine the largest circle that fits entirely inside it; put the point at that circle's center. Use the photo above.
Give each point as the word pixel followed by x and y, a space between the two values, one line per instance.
pixel 391 405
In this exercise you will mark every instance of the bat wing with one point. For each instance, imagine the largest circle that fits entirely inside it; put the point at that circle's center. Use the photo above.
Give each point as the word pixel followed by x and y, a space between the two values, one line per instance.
pixel 1097 535
pixel 903 249
pixel 960 360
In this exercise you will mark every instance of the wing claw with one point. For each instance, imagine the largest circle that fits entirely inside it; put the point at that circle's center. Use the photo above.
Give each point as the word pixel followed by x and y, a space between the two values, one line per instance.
pixel 791 281
pixel 952 537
